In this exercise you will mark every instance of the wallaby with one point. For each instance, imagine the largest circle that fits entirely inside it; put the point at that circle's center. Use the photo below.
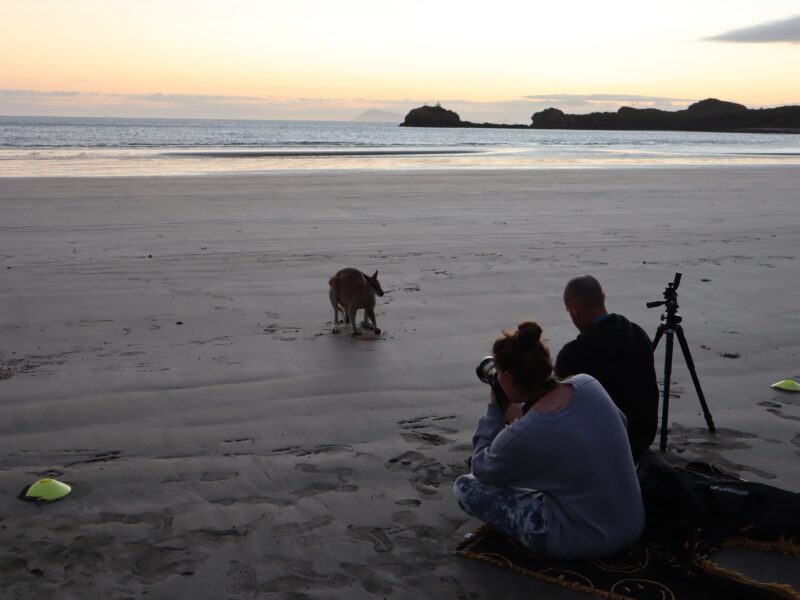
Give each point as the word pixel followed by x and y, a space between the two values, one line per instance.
pixel 352 290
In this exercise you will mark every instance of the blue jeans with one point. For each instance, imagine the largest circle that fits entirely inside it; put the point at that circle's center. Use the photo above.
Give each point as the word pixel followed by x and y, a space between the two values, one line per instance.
pixel 517 512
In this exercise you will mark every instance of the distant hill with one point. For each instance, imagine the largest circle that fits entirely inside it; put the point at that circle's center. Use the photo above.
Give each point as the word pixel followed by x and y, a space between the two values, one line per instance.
pixel 379 116
pixel 707 115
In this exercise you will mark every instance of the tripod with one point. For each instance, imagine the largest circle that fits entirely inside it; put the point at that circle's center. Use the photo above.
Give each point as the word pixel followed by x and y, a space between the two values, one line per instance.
pixel 672 325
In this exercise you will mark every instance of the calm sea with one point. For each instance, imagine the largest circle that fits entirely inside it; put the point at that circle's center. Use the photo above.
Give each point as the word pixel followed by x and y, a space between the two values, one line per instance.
pixel 47 146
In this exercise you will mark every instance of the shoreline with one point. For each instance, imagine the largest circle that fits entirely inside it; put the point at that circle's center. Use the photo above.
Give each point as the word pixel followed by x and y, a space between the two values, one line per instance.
pixel 349 171
pixel 470 125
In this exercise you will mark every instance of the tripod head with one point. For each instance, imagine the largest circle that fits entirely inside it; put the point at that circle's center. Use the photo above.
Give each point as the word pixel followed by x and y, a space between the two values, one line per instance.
pixel 670 302
pixel 670 296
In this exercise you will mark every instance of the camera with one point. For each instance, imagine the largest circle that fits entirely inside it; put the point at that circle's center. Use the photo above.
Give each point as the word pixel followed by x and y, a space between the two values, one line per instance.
pixel 487 373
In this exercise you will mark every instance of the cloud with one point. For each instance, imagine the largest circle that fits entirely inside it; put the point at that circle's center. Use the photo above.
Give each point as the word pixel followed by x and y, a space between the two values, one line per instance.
pixel 590 99
pixel 784 30
pixel 49 94
pixel 168 105
pixel 583 103
pixel 199 98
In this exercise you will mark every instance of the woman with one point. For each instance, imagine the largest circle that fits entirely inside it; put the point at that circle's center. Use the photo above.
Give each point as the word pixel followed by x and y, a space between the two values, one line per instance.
pixel 554 470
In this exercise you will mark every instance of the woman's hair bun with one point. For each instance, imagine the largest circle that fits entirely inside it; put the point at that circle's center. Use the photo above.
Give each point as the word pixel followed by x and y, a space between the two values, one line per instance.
pixel 529 332
pixel 524 355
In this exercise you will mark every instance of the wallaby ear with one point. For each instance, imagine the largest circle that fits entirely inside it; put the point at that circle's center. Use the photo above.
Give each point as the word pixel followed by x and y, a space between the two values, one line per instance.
pixel 375 275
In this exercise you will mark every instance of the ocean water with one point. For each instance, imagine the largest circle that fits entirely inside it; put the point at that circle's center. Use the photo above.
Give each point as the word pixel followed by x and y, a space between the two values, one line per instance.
pixel 61 146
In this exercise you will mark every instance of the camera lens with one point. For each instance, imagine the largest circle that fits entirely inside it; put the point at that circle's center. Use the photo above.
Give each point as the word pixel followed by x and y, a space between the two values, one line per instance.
pixel 485 370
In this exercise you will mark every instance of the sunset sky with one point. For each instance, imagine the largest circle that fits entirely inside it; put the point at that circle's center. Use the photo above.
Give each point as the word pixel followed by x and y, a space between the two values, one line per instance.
pixel 311 59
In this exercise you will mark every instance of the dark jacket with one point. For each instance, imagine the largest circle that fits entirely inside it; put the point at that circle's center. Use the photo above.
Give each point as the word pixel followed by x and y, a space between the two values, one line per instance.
pixel 619 354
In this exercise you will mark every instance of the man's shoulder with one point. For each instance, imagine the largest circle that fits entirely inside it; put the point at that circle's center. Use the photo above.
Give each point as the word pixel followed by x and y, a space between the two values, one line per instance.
pixel 624 326
pixel 571 348
pixel 570 358
pixel 638 331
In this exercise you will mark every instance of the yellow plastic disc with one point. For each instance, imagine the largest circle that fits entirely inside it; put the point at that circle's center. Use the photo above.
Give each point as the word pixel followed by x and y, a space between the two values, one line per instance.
pixel 789 385
pixel 48 489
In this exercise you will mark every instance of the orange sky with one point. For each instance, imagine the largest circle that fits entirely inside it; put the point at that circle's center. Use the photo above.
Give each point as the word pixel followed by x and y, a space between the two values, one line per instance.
pixel 389 54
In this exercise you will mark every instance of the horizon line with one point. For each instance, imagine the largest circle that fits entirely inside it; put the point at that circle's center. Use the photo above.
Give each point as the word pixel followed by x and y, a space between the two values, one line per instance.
pixel 355 119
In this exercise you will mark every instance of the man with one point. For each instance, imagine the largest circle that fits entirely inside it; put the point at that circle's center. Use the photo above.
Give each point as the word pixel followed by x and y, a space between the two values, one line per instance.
pixel 616 352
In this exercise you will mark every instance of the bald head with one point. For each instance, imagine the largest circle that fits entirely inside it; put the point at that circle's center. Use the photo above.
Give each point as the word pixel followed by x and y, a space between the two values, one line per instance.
pixel 585 291
pixel 584 300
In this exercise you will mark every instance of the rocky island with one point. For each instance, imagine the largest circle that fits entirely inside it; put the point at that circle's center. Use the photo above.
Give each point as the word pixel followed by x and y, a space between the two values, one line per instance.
pixel 707 115
pixel 436 116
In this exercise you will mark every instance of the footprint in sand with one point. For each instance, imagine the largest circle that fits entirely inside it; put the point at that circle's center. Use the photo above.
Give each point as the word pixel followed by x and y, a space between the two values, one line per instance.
pixel 161 522
pixel 426 475
pixel 412 502
pixel 782 415
pixel 311 468
pixel 342 485
pixel 218 536
pixel 54 473
pixel 304 580
pixel 768 404
pixel 429 423
pixel 297 528
pixel 429 439
pixel 83 550
pixel 369 579
pixel 321 449
pixel 429 427
pixel 218 475
pixel 462 448
pixel 418 545
pixel 96 457
pixel 208 476
pixel 321 488
pixel 271 500
pixel 406 458
pixel 243 580
pixel 178 478
pixel 374 535
pixel 282 333
pixel 796 442
pixel 158 563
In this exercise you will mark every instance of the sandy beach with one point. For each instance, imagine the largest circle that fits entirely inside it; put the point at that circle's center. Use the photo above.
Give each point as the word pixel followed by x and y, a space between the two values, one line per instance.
pixel 171 356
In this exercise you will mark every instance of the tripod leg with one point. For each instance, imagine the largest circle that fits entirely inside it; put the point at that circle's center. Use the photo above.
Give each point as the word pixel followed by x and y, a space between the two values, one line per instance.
pixel 690 363
pixel 659 333
pixel 665 402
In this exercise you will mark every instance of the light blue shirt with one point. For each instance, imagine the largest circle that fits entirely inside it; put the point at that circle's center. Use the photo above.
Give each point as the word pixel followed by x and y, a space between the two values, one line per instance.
pixel 579 458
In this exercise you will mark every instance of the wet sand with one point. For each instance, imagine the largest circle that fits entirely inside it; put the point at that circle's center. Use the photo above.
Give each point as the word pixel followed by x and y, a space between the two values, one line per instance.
pixel 170 355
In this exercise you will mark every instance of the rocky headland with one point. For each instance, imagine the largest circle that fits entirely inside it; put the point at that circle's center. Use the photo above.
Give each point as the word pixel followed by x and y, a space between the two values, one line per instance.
pixel 707 115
